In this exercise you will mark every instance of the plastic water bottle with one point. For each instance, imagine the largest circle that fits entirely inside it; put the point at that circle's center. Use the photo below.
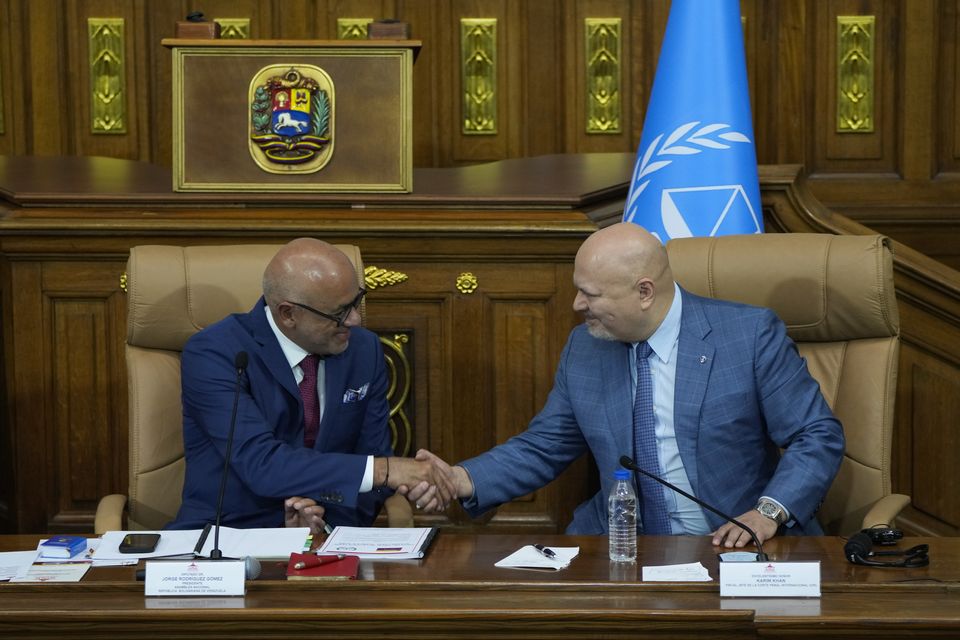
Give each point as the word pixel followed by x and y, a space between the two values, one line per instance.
pixel 622 518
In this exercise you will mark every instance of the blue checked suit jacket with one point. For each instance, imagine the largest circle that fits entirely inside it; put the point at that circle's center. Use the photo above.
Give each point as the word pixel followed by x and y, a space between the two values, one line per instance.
pixel 742 394
pixel 269 462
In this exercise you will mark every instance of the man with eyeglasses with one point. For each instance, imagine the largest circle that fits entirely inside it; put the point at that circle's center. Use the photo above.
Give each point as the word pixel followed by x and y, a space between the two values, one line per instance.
pixel 312 445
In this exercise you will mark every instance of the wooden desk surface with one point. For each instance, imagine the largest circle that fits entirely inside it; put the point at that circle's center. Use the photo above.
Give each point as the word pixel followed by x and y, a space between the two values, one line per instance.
pixel 456 591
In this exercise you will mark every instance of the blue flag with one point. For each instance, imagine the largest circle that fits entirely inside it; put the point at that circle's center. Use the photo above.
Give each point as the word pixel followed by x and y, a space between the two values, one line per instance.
pixel 696 170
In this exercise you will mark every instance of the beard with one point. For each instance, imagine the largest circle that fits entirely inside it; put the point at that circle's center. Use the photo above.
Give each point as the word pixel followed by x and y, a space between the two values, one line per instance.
pixel 599 332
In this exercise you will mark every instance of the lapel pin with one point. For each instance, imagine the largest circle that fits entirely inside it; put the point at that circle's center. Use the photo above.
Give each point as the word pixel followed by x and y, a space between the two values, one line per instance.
pixel 703 359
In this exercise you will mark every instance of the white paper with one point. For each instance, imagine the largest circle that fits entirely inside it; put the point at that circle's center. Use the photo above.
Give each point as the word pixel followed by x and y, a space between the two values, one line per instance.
pixel 393 543
pixel 63 572
pixel 529 557
pixel 234 543
pixel 689 572
pixel 14 562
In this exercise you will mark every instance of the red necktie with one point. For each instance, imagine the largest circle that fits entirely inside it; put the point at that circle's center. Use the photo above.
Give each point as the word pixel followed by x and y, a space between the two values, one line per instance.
pixel 311 402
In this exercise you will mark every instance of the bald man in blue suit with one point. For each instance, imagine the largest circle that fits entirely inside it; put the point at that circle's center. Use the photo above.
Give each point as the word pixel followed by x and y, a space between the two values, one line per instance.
pixel 277 476
pixel 729 392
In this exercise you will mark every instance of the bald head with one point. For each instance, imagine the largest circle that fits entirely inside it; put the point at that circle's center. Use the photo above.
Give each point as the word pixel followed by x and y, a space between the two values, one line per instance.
pixel 625 283
pixel 626 250
pixel 308 270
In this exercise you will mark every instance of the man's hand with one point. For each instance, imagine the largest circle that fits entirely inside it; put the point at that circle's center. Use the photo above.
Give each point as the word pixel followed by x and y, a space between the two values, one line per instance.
pixel 413 472
pixel 424 496
pixel 303 512
pixel 730 535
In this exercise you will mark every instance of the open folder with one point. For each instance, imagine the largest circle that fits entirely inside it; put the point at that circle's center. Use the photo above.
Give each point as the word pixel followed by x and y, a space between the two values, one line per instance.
pixel 385 543
pixel 273 543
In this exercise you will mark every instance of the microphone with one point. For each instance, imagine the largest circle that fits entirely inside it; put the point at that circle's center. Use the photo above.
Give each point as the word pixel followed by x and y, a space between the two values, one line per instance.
pixel 240 364
pixel 628 463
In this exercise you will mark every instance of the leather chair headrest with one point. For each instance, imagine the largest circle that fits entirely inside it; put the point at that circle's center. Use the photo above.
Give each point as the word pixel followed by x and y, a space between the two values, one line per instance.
pixel 825 288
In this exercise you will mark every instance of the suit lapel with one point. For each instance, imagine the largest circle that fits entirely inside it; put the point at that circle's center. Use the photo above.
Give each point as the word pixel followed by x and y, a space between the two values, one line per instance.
pixel 332 374
pixel 694 362
pixel 271 353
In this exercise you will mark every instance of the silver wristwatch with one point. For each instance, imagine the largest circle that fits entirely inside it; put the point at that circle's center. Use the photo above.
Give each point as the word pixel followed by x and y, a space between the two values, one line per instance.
pixel 772 510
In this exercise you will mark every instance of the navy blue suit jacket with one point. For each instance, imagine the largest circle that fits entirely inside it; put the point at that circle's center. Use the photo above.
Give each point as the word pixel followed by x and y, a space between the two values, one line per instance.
pixel 269 462
pixel 742 393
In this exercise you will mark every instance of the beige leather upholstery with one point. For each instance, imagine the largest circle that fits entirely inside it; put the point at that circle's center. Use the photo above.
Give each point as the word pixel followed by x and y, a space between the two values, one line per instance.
pixel 173 292
pixel 836 296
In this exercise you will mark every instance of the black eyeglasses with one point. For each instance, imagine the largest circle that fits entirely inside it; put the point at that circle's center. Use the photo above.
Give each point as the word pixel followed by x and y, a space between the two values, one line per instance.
pixel 341 316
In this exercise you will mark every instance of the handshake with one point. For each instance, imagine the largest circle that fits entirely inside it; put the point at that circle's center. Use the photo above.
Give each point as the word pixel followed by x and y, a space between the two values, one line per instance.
pixel 427 481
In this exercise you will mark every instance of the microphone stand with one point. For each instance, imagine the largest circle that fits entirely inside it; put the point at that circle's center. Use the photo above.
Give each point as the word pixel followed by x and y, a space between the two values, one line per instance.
pixel 628 463
pixel 240 364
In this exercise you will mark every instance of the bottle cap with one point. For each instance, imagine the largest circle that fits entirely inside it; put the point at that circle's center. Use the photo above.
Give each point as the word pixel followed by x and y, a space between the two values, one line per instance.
pixel 621 474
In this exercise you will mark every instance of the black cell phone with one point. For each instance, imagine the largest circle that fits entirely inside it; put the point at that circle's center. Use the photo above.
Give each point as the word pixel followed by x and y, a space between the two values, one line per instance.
pixel 139 542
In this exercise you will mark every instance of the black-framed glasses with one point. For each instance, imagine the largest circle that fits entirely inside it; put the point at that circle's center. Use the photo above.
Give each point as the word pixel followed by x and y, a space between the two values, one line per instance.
pixel 341 316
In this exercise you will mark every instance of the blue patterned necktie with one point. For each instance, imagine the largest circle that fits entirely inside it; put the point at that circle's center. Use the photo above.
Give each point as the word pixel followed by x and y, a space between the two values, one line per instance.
pixel 655 518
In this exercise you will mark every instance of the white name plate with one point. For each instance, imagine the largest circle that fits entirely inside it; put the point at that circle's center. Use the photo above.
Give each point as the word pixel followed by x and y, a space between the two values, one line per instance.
pixel 196 578
pixel 770 579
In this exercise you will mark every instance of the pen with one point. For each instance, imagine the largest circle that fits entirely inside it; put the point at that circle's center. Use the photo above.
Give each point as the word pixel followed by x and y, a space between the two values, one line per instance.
pixel 316 561
pixel 203 538
pixel 547 553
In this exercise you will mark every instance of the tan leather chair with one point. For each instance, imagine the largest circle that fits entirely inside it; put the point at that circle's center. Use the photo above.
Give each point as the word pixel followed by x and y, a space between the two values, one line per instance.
pixel 836 296
pixel 173 292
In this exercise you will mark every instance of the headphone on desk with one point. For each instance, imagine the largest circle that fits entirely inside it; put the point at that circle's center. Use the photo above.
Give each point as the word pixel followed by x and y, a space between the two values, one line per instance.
pixel 859 550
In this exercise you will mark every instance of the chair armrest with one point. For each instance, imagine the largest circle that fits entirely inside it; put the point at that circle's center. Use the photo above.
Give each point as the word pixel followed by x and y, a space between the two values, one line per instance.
pixel 399 512
pixel 885 510
pixel 109 515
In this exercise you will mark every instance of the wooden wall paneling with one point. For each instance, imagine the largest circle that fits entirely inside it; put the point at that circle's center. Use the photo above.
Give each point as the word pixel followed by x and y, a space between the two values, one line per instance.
pixel 861 152
pixel 431 88
pixel 11 60
pixel 579 140
pixel 87 377
pixel 44 80
pixel 8 442
pixel 31 435
pixel 542 98
pixel 120 138
pixel 294 19
pixel 482 146
pixel 947 80
pixel 161 19
pixel 915 99
pixel 778 58
pixel 927 443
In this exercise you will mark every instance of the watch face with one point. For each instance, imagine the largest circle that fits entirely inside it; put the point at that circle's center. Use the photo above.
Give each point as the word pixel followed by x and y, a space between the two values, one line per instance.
pixel 769 510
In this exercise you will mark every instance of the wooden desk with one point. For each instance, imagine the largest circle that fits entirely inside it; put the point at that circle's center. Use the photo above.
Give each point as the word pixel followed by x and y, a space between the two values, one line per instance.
pixel 457 592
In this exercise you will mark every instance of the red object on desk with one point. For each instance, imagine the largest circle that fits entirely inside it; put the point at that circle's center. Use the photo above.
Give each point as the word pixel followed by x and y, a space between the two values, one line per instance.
pixel 322 567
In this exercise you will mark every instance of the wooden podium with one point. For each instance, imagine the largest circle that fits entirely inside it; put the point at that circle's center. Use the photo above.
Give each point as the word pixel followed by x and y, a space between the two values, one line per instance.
pixel 292 116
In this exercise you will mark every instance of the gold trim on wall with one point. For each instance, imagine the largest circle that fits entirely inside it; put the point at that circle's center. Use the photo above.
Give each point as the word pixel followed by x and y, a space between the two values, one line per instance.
pixel 234 28
pixel 467 282
pixel 399 373
pixel 478 75
pixel 374 276
pixel 352 28
pixel 602 56
pixel 855 74
pixel 107 77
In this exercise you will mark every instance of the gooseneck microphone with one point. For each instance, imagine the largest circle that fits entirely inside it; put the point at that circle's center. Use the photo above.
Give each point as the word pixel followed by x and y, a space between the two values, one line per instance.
pixel 240 364
pixel 628 463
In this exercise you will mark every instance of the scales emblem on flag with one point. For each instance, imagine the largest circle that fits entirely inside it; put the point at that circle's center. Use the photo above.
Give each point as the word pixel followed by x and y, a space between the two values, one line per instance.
pixel 291 119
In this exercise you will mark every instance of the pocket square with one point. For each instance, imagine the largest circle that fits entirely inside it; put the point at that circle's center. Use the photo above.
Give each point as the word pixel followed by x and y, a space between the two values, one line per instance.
pixel 355 395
